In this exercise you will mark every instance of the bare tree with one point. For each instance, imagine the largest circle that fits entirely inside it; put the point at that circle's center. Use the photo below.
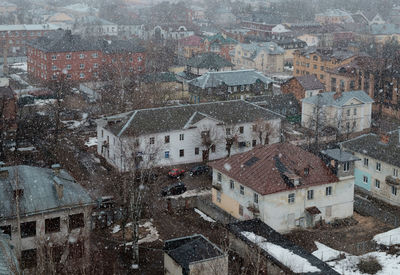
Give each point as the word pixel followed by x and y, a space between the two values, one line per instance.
pixel 263 130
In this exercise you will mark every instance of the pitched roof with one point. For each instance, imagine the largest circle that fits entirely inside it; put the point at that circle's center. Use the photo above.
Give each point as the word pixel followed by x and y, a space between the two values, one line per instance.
pixel 166 119
pixel 209 60
pixel 229 78
pixel 310 82
pixel 328 99
pixel 370 145
pixel 8 261
pixel 191 249
pixel 39 193
pixel 273 165
pixel 271 48
pixel 261 229
pixel 64 41
pixel 220 39
pixel 192 40
pixel 29 27
pixel 284 104
pixel 339 155
pixel 383 29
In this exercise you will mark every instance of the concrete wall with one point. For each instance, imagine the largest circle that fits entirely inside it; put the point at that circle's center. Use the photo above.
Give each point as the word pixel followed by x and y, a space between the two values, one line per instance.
pixel 170 266
pixel 215 266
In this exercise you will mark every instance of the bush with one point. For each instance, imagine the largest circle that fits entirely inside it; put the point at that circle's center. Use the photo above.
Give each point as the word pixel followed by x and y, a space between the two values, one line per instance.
pixel 369 265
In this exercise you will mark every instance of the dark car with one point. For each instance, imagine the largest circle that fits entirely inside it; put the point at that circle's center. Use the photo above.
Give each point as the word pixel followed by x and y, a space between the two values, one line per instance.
pixel 199 170
pixel 174 189
pixel 176 172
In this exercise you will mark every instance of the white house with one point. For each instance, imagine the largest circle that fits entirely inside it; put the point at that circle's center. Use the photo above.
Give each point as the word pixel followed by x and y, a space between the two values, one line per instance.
pixel 378 171
pixel 345 111
pixel 185 133
pixel 284 186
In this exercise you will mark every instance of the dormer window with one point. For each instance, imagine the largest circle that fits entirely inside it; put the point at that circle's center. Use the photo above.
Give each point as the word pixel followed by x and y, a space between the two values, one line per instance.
pixel 306 171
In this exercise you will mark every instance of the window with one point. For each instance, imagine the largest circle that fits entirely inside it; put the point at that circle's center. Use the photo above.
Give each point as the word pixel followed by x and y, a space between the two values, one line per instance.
pixel 213 148
pixel 81 66
pixel 255 198
pixel 328 191
pixel 315 67
pixel 218 196
pixel 306 171
pixel 310 194
pixel 28 258
pixel 166 154
pixel 291 198
pixel 6 230
pixel 254 128
pixel 68 67
pixel 181 153
pixel 315 58
pixel 228 131
pixel 53 57
pixel 139 58
pixel 69 76
pixel 355 111
pixel 254 143
pixel 241 129
pixel 378 166
pixel 232 184
pixel 321 76
pixel 219 177
pixel 82 75
pixel 28 229
pixel 240 210
pixel 54 67
pixel 377 184
pixel 352 85
pixel 365 179
pixel 76 221
pixel 308 65
pixel 52 225
pixel 152 139
pixel 241 190
pixel 395 172
pixel 94 55
pixel 365 162
pixel 196 150
pixel 346 166
pixel 181 136
pixel 68 56
pixel 394 190
pixel 81 56
pixel 95 65
pixel 348 112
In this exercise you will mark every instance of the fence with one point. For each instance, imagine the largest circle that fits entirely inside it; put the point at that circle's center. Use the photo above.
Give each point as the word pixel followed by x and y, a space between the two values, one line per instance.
pixel 361 247
pixel 366 208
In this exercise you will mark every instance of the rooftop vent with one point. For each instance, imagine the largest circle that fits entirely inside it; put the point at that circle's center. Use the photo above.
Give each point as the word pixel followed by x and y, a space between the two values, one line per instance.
pixel 56 168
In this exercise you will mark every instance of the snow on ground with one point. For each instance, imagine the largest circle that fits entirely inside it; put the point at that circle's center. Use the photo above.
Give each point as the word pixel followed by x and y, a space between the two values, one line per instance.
pixel 44 101
pixel 25 149
pixel 391 237
pixel 152 236
pixel 92 142
pixel 72 124
pixel 191 193
pixel 325 253
pixel 348 266
pixel 22 66
pixel 116 229
pixel 204 216
pixel 293 261
pixel 20 80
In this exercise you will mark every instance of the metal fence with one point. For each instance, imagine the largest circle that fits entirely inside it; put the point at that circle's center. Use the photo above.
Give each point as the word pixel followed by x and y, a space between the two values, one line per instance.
pixel 367 208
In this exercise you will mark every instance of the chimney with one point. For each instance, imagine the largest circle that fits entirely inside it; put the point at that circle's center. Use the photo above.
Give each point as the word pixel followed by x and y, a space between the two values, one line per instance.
pixel 59 187
pixel 56 168
pixel 384 138
pixel 337 95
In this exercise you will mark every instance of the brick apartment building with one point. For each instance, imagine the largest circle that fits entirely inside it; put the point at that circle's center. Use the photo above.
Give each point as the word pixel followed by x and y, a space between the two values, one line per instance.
pixel 65 55
pixel 14 37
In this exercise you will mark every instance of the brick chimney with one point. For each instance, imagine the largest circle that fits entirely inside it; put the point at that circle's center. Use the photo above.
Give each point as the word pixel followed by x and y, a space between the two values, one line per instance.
pixel 337 95
pixel 384 138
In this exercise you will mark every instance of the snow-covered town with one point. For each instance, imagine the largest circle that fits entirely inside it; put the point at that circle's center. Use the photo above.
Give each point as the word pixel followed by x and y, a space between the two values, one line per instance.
pixel 206 137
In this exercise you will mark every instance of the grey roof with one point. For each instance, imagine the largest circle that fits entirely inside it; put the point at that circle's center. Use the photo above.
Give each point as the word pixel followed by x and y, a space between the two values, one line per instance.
pixel 64 41
pixel 370 145
pixel 284 104
pixel 382 29
pixel 310 82
pixel 229 78
pixel 8 260
pixel 166 119
pixel 271 48
pixel 29 27
pixel 339 155
pixel 39 193
pixel 261 229
pixel 209 60
pixel 191 249
pixel 327 98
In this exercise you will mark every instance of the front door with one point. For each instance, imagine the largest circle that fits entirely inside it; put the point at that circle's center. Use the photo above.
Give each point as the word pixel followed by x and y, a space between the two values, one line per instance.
pixel 205 155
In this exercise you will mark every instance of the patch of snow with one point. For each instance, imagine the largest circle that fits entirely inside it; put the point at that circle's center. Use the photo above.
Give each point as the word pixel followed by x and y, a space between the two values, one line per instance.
pixel 128 224
pixel 134 266
pixel 92 142
pixel 191 193
pixel 85 115
pixel 42 102
pixel 116 229
pixel 204 216
pixel 72 239
pixel 152 236
pixel 391 237
pixel 227 167
pixel 72 124
pixel 325 253
pixel 25 149
pixel 293 261
pixel 22 66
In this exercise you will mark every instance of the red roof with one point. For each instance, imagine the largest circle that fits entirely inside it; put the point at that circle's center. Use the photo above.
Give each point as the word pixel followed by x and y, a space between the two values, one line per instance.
pixel 192 40
pixel 266 169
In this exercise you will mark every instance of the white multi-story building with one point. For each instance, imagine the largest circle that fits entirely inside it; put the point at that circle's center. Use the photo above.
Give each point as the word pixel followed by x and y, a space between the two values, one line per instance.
pixel 284 186
pixel 185 134
pixel 347 112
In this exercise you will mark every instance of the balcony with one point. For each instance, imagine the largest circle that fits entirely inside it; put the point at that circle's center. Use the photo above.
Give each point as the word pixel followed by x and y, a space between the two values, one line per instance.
pixel 253 208
pixel 217 186
pixel 392 180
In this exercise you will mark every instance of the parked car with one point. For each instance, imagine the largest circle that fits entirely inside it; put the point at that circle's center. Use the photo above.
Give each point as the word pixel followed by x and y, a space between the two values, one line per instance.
pixel 174 189
pixel 176 172
pixel 199 170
